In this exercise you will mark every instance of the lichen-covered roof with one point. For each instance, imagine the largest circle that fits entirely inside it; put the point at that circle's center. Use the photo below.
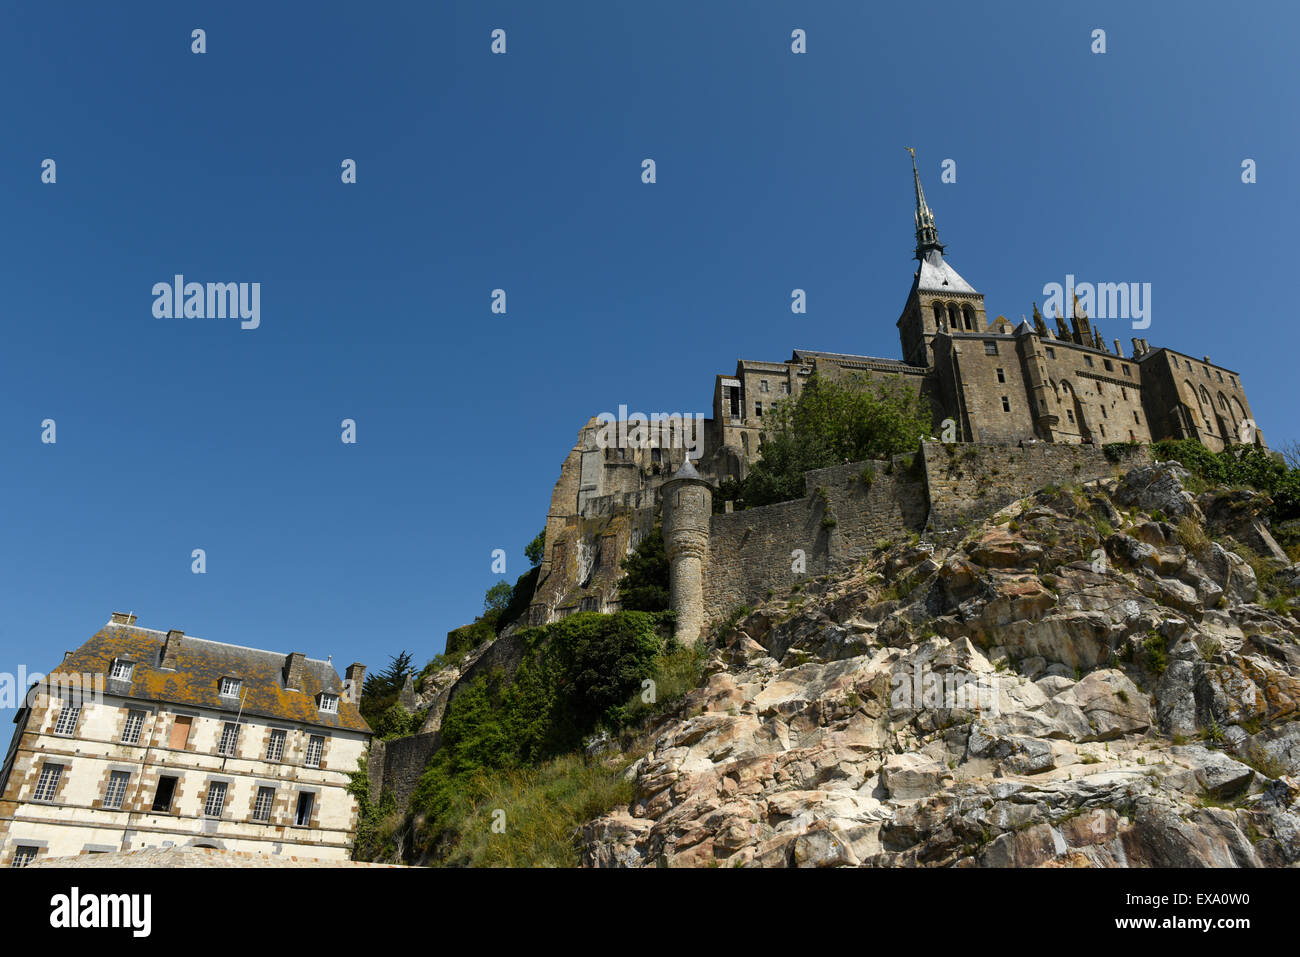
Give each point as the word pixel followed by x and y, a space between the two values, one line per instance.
pixel 200 666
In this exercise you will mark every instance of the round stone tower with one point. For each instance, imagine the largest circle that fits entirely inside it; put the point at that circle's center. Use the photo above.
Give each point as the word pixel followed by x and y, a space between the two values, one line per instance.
pixel 688 507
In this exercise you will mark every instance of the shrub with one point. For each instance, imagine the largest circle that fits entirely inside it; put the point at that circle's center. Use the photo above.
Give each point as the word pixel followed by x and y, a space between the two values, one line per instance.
pixel 644 585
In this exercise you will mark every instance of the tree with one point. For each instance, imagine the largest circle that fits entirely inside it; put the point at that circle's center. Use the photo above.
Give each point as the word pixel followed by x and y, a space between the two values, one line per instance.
pixel 829 424
pixel 535 550
pixel 644 587
pixel 381 689
pixel 497 598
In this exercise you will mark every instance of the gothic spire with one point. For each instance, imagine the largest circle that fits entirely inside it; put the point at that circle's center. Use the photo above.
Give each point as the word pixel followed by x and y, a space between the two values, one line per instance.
pixel 928 246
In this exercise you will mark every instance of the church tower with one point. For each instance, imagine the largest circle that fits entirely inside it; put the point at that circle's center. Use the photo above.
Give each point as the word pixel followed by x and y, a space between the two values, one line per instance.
pixel 940 300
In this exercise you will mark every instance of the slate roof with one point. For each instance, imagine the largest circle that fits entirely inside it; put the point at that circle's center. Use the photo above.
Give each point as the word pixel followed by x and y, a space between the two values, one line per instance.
pixel 940 277
pixel 200 666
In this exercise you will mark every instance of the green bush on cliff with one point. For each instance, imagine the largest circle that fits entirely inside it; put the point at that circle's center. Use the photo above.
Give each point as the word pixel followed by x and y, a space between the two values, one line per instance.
pixel 644 586
pixel 829 424
pixel 575 675
pixel 1240 465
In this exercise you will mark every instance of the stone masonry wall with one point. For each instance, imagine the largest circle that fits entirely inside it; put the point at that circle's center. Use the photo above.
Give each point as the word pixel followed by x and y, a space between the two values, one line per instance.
pixel 752 551
pixel 969 480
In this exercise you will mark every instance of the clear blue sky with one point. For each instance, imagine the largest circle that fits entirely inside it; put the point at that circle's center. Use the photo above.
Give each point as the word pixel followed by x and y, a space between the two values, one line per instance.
pixel 522 171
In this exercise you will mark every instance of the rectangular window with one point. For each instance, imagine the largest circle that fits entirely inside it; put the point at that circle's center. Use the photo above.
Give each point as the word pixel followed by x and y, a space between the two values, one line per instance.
pixel 1234 381
pixel 1109 367
pixel 216 799
pixel 1219 374
pixel 262 806
pixel 275 746
pixel 23 856
pixel 329 703
pixel 762 385
pixel 49 782
pixel 315 745
pixel 122 670
pixel 1006 406
pixel 990 347
pixel 134 722
pixel 303 815
pixel 1069 414
pixel 115 793
pixel 1103 429
pixel 758 409
pixel 1088 361
pixel 785 388
pixel 1051 353
pixel 229 738
pixel 162 799
pixel 1127 371
pixel 230 687
pixel 1206 371
pixel 1124 393
pixel 67 722
pixel 1099 388
pixel 1002 376
pixel 181 732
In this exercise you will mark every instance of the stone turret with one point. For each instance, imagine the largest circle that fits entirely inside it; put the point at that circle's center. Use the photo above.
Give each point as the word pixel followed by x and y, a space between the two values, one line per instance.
pixel 688 508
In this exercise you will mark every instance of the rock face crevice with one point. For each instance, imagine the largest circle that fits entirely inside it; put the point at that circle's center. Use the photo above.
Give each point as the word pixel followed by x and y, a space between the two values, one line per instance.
pixel 1074 682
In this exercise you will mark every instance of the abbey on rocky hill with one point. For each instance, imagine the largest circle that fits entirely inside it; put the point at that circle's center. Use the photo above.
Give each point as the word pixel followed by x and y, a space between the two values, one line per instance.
pixel 993 383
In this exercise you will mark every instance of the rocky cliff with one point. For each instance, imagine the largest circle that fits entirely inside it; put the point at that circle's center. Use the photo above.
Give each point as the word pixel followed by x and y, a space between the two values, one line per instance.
pixel 1099 675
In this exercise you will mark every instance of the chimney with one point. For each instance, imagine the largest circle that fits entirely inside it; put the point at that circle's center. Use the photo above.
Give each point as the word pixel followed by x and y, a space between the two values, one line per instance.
pixel 295 669
pixel 171 648
pixel 121 618
pixel 1119 349
pixel 354 679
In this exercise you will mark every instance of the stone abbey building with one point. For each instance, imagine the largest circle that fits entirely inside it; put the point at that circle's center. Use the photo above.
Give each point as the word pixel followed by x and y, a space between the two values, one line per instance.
pixel 996 383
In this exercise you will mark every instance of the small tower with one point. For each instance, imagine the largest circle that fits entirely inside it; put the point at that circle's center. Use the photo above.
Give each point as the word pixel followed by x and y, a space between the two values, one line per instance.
pixel 688 509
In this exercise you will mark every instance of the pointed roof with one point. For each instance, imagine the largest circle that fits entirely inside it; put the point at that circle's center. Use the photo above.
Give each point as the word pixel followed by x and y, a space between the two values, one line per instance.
pixel 687 471
pixel 937 276
pixel 928 247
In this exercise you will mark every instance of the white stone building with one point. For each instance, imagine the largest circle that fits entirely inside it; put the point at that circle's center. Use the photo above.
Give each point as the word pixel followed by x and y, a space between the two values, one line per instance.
pixel 189 742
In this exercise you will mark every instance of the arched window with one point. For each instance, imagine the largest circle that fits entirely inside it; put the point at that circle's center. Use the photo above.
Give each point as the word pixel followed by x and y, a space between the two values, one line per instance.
pixel 1223 402
pixel 968 316
pixel 1205 398
pixel 939 322
pixel 954 318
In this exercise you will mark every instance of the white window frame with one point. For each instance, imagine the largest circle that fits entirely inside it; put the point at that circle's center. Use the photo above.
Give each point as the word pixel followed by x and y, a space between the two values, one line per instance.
pixel 24 854
pixel 114 798
pixel 47 785
pixel 215 789
pixel 127 668
pixel 318 741
pixel 230 687
pixel 275 743
pixel 257 803
pixel 329 703
pixel 230 728
pixel 127 736
pixel 65 727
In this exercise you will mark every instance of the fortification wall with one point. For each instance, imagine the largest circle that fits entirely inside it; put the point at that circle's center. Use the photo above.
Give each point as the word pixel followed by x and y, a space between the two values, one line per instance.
pixel 967 481
pixel 396 765
pixel 860 503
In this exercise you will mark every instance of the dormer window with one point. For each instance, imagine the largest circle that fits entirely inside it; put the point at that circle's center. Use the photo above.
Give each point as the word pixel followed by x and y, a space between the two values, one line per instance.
pixel 328 703
pixel 122 670
pixel 230 687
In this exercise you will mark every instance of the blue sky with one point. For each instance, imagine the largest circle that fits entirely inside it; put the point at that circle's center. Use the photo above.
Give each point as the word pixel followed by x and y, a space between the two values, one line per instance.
pixel 522 172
